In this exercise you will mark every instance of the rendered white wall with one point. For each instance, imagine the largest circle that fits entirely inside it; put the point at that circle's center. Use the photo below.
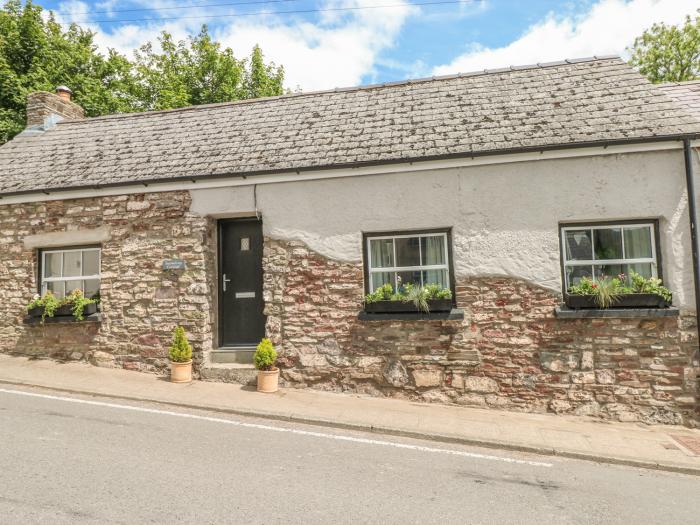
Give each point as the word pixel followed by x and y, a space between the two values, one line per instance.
pixel 504 217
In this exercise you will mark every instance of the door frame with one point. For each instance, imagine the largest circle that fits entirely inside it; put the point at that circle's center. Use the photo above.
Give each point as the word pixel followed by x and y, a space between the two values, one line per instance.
pixel 219 267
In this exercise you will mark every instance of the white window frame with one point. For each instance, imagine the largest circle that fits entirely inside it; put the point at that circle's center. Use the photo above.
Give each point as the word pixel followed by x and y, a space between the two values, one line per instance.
pixel 43 280
pixel 396 269
pixel 653 260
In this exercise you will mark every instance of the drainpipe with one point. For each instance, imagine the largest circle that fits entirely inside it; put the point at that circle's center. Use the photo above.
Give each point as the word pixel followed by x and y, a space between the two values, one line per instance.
pixel 692 212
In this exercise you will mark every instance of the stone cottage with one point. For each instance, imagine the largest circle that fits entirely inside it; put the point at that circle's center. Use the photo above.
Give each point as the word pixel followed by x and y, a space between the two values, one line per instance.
pixel 275 217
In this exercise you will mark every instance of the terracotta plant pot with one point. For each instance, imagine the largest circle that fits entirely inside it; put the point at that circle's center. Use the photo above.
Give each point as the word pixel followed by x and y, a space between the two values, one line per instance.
pixel 181 372
pixel 268 380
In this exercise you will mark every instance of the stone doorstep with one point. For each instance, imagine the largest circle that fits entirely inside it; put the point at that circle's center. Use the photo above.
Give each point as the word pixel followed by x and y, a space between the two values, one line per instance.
pixel 243 374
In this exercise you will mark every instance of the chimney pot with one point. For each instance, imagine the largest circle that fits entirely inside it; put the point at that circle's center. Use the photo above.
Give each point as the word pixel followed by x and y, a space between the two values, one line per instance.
pixel 64 92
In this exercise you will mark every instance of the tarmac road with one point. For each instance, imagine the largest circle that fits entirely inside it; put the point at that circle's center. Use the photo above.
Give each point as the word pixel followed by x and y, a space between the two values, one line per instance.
pixel 73 459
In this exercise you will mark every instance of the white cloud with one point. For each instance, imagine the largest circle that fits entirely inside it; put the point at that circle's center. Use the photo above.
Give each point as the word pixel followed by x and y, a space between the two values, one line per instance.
pixel 336 50
pixel 335 53
pixel 607 28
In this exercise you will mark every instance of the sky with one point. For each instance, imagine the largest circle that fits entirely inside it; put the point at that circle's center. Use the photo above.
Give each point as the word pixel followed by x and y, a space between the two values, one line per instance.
pixel 338 43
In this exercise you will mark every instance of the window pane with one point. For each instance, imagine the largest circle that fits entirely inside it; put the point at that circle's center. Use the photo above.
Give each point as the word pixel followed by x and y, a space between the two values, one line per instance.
pixel 643 269
pixel 638 243
pixel 91 262
pixel 52 265
pixel 574 274
pixel 72 263
pixel 407 251
pixel 409 277
pixel 57 288
pixel 608 243
pixel 433 249
pixel 609 270
pixel 578 245
pixel 382 253
pixel 73 285
pixel 435 277
pixel 91 288
pixel 382 278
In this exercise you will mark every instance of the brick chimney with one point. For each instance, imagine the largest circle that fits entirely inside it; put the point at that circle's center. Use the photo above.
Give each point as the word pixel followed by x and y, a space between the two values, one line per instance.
pixel 44 108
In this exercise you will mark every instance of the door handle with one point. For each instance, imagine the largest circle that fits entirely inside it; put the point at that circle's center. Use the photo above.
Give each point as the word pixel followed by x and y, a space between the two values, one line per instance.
pixel 224 281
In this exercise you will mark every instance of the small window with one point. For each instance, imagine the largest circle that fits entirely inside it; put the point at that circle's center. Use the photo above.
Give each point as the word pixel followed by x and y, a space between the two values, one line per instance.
pixel 420 258
pixel 64 270
pixel 607 250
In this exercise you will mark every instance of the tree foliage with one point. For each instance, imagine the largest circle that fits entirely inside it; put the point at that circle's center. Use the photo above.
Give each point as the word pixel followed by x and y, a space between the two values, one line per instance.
pixel 38 54
pixel 669 53
pixel 199 71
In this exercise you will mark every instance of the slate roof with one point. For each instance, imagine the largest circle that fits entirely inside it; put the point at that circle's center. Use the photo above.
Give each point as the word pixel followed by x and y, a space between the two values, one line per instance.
pixel 686 94
pixel 548 105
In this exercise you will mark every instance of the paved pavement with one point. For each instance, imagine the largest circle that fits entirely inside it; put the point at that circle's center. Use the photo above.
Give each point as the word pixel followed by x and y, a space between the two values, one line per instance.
pixel 576 437
pixel 71 459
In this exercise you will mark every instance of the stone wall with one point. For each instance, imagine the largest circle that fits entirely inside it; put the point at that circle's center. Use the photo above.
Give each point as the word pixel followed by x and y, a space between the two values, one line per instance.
pixel 510 351
pixel 141 303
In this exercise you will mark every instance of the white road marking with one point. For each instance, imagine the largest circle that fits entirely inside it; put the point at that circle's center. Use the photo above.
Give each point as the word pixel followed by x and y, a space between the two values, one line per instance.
pixel 257 426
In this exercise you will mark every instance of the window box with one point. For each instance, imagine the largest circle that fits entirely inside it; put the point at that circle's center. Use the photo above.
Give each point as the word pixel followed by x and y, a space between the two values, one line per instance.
pixel 632 300
pixel 64 311
pixel 389 307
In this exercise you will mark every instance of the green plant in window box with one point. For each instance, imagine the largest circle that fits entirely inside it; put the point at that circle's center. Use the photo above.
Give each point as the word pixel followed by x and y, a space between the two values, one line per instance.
pixel 50 304
pixel 418 296
pixel 608 292
pixel 410 293
pixel 651 285
pixel 77 301
pixel 382 293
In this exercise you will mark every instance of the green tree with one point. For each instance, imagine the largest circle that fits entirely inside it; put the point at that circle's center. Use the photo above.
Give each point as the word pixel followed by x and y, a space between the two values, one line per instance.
pixel 669 53
pixel 262 80
pixel 39 54
pixel 199 71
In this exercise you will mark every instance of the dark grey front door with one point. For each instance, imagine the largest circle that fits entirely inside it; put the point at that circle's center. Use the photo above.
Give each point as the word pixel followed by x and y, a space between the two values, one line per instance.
pixel 241 319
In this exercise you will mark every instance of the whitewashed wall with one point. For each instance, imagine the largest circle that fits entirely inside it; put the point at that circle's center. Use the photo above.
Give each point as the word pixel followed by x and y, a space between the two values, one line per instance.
pixel 504 217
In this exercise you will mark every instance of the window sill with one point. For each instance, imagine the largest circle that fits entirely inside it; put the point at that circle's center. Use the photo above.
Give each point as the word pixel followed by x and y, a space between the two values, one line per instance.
pixel 63 319
pixel 455 314
pixel 563 312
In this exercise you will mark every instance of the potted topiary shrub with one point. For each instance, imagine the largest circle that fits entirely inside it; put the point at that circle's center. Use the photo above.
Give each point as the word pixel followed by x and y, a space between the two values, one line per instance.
pixel 268 374
pixel 180 357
